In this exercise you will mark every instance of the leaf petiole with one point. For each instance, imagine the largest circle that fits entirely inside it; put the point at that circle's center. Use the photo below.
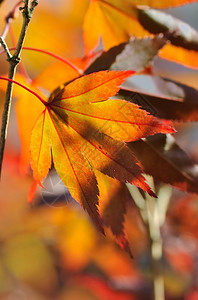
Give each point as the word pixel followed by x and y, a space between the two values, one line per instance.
pixel 67 62
pixel 24 87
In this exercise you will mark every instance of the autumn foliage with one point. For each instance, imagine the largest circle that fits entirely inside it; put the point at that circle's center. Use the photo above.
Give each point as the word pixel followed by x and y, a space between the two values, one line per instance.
pixel 100 118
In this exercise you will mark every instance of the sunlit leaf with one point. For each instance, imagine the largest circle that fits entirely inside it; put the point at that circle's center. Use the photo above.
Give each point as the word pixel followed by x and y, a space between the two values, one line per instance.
pixel 115 21
pixel 176 102
pixel 135 55
pixel 180 55
pixel 184 39
pixel 60 73
pixel 176 168
pixel 112 21
pixel 138 53
pixel 113 201
pixel 49 79
pixel 86 131
pixel 55 75
pixel 178 32
pixel 26 119
pixel 60 27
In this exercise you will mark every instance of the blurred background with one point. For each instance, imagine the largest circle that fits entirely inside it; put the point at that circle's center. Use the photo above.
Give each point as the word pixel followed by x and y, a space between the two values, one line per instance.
pixel 50 249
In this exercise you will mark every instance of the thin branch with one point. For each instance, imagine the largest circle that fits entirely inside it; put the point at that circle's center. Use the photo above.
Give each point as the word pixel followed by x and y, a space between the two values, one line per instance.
pixel 27 12
pixel 22 68
pixel 33 5
pixel 5 47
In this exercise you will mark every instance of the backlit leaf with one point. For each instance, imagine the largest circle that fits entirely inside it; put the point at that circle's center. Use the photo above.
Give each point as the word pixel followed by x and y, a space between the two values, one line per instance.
pixel 184 39
pixel 138 53
pixel 135 55
pixel 176 102
pixel 26 119
pixel 176 168
pixel 55 75
pixel 114 196
pixel 115 21
pixel 105 59
pixel 49 79
pixel 180 55
pixel 181 33
pixel 112 21
pixel 59 73
pixel 85 130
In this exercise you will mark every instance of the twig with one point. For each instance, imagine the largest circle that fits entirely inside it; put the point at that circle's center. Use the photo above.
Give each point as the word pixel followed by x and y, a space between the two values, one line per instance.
pixel 5 47
pixel 27 12
pixel 21 66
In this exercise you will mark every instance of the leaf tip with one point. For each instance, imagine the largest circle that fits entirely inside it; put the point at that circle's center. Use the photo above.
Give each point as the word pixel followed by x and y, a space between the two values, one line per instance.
pixel 99 224
pixel 124 244
pixel 169 128
pixel 128 73
pixel 151 193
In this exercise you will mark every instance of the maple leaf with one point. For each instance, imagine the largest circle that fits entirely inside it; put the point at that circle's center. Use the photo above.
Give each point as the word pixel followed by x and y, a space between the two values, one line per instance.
pixel 56 74
pixel 174 101
pixel 85 130
pixel 107 15
pixel 115 21
pixel 180 55
pixel 176 168
pixel 26 118
pixel 135 55
pixel 183 34
pixel 139 53
pixel 183 37
pixel 59 73
pixel 114 197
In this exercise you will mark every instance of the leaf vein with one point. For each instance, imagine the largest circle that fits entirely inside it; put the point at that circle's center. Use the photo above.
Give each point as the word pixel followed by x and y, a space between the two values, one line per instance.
pixel 68 157
pixel 86 91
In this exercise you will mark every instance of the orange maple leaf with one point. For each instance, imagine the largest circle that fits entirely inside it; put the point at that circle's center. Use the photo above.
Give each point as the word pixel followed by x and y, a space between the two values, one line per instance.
pixel 54 75
pixel 85 131
pixel 114 21
pixel 180 55
pixel 114 197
